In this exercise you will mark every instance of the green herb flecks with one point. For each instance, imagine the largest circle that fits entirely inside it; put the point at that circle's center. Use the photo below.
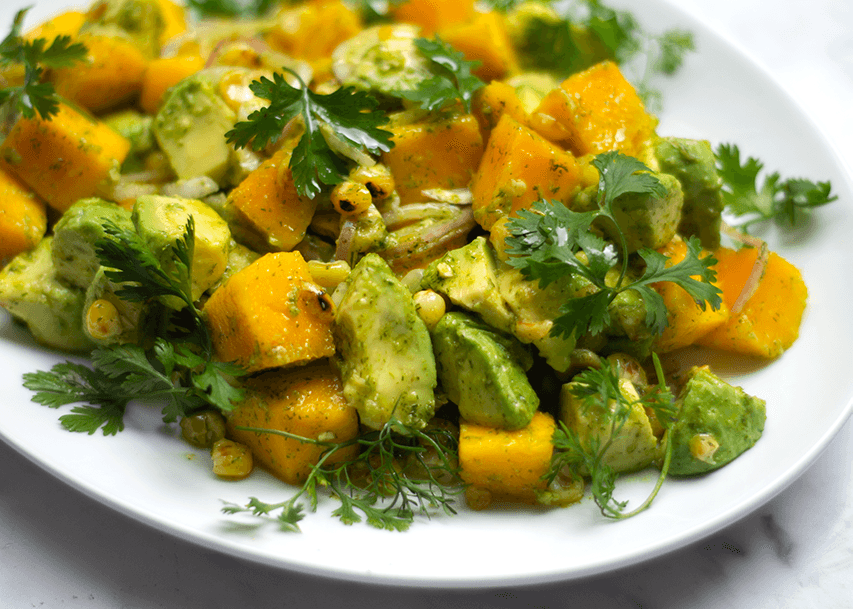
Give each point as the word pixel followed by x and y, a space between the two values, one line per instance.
pixel 349 113
pixel 549 241
pixel 177 367
pixel 599 390
pixel 34 96
pixel 785 202
pixel 398 473
pixel 453 82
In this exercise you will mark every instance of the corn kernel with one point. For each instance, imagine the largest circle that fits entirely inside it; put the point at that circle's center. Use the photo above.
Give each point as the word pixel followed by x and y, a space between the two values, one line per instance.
pixel 102 320
pixel 351 198
pixel 231 460
pixel 377 179
pixel 430 306
pixel 328 274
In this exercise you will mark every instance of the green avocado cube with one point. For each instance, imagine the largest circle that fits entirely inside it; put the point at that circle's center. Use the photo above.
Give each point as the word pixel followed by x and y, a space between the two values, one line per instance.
pixel 716 423
pixel 51 309
pixel 483 372
pixel 693 163
pixel 75 235
pixel 384 350
pixel 646 219
pixel 634 446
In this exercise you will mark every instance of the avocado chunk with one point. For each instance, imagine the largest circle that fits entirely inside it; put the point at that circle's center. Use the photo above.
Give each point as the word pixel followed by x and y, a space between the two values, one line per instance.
pixel 136 127
pixel 483 372
pixel 384 348
pixel 646 219
pixel 694 164
pixel 190 127
pixel 635 445
pixel 535 308
pixel 716 423
pixel 468 277
pixel 383 59
pixel 33 294
pixel 160 221
pixel 75 235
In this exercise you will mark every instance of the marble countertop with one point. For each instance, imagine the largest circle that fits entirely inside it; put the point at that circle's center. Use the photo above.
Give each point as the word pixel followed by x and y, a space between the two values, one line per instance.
pixel 59 548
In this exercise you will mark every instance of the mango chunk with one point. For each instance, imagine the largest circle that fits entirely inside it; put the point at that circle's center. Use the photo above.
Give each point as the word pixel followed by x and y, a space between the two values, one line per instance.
pixel 23 217
pixel 270 214
pixel 70 157
pixel 307 401
pixel 271 314
pixel 484 38
pixel 595 111
pixel 687 322
pixel 509 464
pixel 433 15
pixel 518 168
pixel 440 153
pixel 770 320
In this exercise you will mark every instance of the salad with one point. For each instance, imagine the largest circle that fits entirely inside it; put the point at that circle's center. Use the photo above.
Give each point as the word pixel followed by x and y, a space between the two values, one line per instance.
pixel 408 254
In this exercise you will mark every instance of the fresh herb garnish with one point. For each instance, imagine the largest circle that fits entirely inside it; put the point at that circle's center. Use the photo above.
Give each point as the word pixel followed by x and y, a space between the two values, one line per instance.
pixel 550 241
pixel 600 394
pixel 374 483
pixel 34 96
pixel 348 112
pixel 179 364
pixel 453 82
pixel 783 201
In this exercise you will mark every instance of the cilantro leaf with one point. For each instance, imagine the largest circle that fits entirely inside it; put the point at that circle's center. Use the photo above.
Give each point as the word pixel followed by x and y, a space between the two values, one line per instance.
pixel 453 82
pixel 348 112
pixel 782 201
pixel 620 174
pixel 34 96
pixel 549 242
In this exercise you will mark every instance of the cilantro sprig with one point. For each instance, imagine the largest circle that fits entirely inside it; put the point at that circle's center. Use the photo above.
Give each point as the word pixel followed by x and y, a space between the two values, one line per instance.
pixel 34 96
pixel 453 81
pixel 782 201
pixel 373 485
pixel 177 367
pixel 549 241
pixel 348 112
pixel 601 396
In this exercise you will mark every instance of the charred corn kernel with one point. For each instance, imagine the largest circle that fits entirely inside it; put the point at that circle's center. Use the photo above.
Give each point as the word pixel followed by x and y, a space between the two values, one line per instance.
pixel 328 274
pixel 478 497
pixel 703 446
pixel 377 179
pixel 351 198
pixel 203 429
pixel 231 460
pixel 102 320
pixel 430 306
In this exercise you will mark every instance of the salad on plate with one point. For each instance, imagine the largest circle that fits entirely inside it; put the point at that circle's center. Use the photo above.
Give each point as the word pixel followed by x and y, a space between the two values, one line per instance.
pixel 410 254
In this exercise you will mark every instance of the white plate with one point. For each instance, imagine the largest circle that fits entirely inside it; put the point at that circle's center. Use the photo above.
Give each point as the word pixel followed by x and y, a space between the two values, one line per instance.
pixel 150 474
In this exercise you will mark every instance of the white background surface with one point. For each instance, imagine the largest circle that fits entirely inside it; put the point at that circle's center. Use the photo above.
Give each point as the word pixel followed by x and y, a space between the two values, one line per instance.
pixel 58 548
